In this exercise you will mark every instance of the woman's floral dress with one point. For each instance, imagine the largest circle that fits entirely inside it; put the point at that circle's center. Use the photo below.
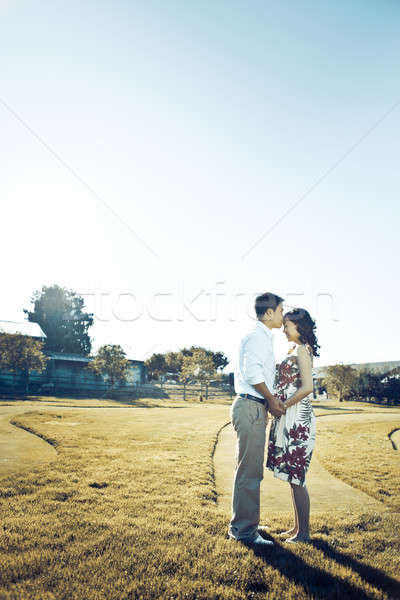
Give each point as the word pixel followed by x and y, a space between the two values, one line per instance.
pixel 292 435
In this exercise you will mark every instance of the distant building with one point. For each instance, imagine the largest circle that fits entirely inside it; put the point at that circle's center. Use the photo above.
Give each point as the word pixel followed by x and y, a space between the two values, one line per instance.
pixel 64 372
pixel 69 372
pixel 24 327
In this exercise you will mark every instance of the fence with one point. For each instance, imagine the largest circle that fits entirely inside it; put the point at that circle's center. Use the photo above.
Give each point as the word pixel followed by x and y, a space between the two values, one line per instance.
pixel 197 391
pixel 65 387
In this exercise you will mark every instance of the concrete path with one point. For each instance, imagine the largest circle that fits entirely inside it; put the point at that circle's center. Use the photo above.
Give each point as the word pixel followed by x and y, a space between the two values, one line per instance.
pixel 327 493
pixel 20 449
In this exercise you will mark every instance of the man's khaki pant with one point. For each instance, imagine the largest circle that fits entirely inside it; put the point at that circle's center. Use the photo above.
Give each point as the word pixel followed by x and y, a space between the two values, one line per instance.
pixel 249 419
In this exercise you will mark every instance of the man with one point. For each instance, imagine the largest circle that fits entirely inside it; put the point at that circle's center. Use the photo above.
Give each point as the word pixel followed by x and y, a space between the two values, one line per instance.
pixel 254 384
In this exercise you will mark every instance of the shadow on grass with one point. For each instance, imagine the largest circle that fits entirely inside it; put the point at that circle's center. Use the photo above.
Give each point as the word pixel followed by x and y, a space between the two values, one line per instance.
pixel 369 574
pixel 321 584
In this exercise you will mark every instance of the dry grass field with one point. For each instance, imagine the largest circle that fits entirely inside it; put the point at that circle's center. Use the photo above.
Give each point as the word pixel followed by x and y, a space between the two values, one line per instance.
pixel 129 510
pixel 362 455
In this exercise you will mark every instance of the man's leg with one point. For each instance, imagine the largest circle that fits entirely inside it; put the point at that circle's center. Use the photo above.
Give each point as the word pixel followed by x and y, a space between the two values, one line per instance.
pixel 249 419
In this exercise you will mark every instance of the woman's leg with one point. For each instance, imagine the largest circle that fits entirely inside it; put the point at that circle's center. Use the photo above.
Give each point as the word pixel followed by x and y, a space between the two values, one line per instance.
pixel 302 502
pixel 295 529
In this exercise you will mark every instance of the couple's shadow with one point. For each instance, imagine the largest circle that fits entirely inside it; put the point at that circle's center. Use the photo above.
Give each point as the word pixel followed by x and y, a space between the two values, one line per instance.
pixel 319 583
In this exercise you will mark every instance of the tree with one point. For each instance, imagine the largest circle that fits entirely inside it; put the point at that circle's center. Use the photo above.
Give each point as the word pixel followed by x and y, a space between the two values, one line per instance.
pixel 199 366
pixel 369 385
pixel 21 354
pixel 392 390
pixel 156 366
pixel 340 381
pixel 110 362
pixel 391 386
pixel 173 362
pixel 219 359
pixel 60 314
pixel 393 373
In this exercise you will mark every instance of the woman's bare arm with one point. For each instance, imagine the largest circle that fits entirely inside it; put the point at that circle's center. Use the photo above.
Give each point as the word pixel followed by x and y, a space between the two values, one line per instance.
pixel 305 366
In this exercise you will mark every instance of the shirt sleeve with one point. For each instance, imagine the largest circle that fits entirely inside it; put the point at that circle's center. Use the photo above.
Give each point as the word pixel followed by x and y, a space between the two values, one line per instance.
pixel 253 362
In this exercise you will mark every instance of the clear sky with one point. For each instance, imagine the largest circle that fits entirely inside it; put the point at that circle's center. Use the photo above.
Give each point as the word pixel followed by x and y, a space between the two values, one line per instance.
pixel 171 160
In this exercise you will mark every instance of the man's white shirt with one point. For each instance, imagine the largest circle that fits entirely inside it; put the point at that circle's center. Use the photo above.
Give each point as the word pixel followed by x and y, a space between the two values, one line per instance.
pixel 256 361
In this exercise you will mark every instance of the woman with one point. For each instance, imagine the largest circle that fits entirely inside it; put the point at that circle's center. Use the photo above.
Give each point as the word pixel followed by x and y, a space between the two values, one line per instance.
pixel 292 436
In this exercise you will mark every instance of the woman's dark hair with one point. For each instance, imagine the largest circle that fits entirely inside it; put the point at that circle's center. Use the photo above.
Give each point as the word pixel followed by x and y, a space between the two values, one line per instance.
pixel 306 326
pixel 265 301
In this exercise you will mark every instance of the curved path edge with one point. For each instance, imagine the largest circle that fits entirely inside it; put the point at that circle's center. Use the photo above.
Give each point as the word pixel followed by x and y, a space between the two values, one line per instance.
pixel 20 447
pixel 394 437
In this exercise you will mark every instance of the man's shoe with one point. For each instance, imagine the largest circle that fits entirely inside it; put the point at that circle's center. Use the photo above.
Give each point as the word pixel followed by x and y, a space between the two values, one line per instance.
pixel 260 541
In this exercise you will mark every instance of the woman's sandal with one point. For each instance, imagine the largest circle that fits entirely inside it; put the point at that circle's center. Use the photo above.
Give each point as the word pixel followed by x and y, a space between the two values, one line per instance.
pixel 297 540
pixel 288 533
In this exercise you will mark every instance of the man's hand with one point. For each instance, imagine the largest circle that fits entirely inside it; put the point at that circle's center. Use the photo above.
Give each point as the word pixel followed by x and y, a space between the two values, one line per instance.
pixel 276 407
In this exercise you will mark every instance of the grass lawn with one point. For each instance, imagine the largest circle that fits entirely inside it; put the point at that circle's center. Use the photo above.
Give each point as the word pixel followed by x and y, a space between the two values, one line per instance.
pixel 362 455
pixel 129 511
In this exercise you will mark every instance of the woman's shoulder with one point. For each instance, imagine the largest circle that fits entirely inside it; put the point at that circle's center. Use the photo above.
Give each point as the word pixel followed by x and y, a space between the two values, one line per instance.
pixel 307 348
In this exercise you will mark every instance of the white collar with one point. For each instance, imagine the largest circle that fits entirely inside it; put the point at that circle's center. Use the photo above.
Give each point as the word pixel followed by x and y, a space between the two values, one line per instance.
pixel 266 329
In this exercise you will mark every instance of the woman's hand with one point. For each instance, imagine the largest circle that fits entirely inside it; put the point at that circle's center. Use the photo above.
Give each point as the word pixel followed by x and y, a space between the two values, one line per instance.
pixel 276 407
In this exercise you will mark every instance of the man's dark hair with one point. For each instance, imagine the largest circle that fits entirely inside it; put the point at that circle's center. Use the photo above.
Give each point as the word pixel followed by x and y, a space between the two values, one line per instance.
pixel 265 301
